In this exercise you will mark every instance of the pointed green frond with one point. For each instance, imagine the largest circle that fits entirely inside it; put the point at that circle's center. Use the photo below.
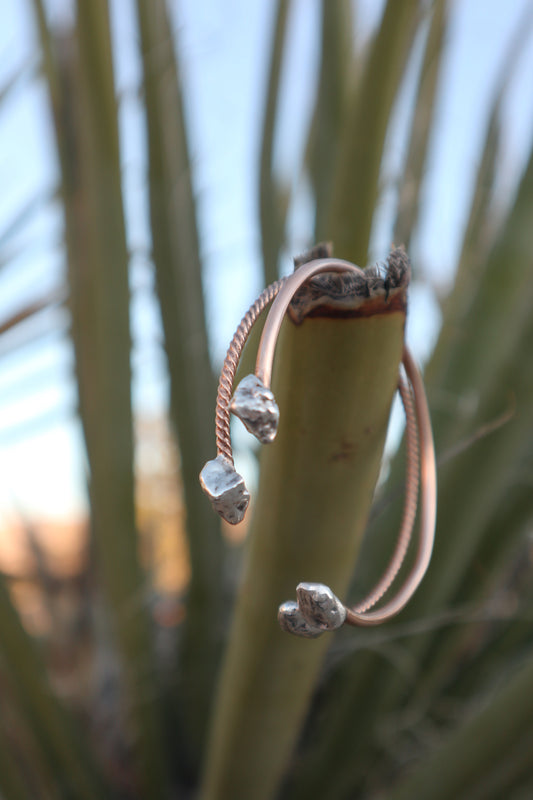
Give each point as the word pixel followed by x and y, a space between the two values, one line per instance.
pixel 62 747
pixel 479 231
pixel 79 67
pixel 356 177
pixel 421 128
pixel 178 270
pixel 479 747
pixel 271 214
pixel 334 83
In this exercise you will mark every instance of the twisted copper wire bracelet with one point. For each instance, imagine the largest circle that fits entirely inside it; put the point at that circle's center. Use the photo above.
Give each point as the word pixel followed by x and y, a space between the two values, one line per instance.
pixel 229 368
pixel 318 609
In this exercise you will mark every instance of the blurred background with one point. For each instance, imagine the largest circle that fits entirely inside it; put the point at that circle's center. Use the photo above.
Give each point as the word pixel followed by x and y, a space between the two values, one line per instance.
pixel 161 162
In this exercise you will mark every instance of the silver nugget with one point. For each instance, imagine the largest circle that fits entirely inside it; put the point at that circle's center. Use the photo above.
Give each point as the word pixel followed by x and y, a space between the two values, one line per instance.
pixel 225 488
pixel 320 607
pixel 291 620
pixel 256 406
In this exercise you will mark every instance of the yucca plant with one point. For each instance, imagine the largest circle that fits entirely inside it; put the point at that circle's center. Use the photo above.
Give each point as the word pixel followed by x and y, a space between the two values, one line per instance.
pixel 435 705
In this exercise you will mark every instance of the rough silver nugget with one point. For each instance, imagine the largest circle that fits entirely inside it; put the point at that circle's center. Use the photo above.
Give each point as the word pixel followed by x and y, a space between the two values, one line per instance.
pixel 319 606
pixel 225 488
pixel 256 406
pixel 291 620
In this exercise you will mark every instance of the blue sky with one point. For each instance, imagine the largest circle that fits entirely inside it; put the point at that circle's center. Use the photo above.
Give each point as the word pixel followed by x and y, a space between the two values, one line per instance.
pixel 224 49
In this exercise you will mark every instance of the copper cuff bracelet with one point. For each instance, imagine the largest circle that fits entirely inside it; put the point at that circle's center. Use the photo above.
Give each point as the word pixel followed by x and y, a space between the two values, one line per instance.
pixel 317 609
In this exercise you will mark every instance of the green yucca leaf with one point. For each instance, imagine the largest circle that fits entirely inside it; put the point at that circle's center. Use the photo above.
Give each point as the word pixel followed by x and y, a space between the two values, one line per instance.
pixel 51 300
pixel 356 182
pixel 270 209
pixel 178 267
pixel 23 215
pixel 421 128
pixel 64 751
pixel 12 782
pixel 480 746
pixel 334 82
pixel 99 294
pixel 334 742
pixel 478 237
pixel 80 74
pixel 15 81
pixel 48 57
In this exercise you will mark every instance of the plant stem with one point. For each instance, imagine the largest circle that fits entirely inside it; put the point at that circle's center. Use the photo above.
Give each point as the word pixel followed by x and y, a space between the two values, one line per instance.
pixel 334 381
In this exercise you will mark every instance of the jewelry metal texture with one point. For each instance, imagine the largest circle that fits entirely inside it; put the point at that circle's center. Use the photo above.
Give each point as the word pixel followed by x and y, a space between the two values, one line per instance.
pixel 317 609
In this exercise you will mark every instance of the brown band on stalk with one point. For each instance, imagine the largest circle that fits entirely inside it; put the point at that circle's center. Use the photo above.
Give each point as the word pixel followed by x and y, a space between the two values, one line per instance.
pixel 380 289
